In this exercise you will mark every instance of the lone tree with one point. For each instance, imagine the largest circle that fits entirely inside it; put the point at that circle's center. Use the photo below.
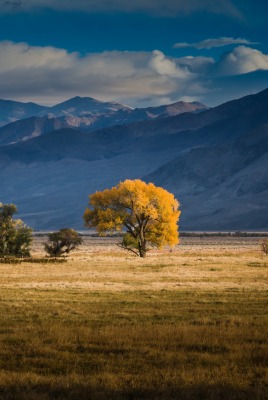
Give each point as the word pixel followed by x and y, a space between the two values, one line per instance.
pixel 147 213
pixel 62 242
pixel 15 236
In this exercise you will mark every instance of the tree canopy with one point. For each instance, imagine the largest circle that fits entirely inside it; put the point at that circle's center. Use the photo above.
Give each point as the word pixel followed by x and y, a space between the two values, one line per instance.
pixel 15 236
pixel 148 214
pixel 62 242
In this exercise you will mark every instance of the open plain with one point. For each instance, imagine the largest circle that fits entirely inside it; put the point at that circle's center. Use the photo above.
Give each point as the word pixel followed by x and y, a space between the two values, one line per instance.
pixel 183 323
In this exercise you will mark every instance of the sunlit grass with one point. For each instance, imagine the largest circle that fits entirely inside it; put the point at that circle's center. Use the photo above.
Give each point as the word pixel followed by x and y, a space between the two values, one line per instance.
pixel 106 325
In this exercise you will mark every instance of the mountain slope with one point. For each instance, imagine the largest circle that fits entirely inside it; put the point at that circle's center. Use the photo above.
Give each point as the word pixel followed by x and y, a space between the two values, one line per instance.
pixel 217 167
pixel 29 128
pixel 222 186
pixel 13 110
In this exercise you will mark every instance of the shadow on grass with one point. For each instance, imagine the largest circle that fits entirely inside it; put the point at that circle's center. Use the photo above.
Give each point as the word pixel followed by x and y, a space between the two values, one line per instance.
pixel 48 260
pixel 84 392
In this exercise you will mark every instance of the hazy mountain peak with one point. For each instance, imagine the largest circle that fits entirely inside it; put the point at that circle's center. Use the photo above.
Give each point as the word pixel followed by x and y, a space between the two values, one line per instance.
pixel 79 106
pixel 78 100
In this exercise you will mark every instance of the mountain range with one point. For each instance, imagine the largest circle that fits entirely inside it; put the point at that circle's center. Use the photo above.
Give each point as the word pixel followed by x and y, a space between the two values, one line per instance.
pixel 31 120
pixel 214 160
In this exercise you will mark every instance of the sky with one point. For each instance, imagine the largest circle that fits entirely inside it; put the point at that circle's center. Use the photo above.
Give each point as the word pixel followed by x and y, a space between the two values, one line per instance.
pixel 140 52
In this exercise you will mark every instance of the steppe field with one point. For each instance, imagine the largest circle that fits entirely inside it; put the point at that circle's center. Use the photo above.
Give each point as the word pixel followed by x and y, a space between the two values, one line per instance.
pixel 187 323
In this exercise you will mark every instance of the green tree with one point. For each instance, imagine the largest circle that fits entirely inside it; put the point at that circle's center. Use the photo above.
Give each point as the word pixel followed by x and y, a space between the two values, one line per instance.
pixel 62 242
pixel 15 236
pixel 147 213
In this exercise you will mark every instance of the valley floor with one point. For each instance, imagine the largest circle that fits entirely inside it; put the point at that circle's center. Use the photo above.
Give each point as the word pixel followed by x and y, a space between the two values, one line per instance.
pixel 190 323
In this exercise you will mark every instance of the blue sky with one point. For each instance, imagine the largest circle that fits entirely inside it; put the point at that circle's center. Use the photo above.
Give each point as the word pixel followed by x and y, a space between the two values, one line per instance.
pixel 144 52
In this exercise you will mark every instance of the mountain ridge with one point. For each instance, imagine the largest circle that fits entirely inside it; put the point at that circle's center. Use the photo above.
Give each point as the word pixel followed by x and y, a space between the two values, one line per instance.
pixel 215 162
pixel 72 114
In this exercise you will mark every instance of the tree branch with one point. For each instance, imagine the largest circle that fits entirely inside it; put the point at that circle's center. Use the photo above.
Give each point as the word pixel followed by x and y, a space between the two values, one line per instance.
pixel 127 248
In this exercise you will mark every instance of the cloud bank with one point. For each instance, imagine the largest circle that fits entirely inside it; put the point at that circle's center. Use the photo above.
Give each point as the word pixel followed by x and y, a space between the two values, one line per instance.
pixel 210 43
pixel 48 74
pixel 162 7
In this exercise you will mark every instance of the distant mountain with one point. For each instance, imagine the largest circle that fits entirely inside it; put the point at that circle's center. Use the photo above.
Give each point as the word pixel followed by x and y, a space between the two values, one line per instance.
pixel 79 106
pixel 176 108
pixel 11 111
pixel 222 186
pixel 149 113
pixel 87 114
pixel 222 180
pixel 29 128
pixel 214 161
pixel 65 144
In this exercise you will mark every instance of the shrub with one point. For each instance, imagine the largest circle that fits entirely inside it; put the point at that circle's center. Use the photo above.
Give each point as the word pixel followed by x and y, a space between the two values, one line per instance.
pixel 62 242
pixel 15 236
pixel 264 246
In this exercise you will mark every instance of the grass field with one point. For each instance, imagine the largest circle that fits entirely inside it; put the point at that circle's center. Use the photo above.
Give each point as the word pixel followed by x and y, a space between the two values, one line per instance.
pixel 186 324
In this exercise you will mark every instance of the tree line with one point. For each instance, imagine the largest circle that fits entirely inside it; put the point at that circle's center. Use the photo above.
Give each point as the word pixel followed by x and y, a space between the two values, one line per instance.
pixel 144 215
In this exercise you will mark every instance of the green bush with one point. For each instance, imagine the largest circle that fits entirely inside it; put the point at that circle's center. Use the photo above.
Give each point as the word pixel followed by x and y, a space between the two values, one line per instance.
pixel 15 236
pixel 62 242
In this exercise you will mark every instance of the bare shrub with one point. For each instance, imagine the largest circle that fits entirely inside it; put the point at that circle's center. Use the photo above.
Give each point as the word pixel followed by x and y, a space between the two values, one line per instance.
pixel 264 246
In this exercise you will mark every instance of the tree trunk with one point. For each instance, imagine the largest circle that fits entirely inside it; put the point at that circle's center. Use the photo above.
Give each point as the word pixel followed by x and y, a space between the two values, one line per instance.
pixel 142 249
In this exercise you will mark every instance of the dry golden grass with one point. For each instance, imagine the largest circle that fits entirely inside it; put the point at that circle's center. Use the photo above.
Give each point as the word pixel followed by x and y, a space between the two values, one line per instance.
pixel 186 324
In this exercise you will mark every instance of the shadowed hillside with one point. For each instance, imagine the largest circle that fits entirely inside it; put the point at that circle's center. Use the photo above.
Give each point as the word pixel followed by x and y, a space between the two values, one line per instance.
pixel 215 162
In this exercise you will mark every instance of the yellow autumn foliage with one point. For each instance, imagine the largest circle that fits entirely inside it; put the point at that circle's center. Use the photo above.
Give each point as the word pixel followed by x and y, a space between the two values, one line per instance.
pixel 148 213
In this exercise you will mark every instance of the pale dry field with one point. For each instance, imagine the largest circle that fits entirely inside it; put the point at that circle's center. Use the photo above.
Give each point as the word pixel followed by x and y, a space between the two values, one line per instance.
pixel 185 323
pixel 206 263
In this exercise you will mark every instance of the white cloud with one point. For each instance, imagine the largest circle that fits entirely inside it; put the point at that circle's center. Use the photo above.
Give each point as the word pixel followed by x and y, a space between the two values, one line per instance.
pixel 16 56
pixel 210 43
pixel 166 7
pixel 48 75
pixel 46 72
pixel 241 60
pixel 165 66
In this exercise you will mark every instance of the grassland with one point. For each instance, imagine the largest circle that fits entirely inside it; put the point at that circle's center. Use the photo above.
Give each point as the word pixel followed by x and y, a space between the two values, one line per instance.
pixel 186 324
